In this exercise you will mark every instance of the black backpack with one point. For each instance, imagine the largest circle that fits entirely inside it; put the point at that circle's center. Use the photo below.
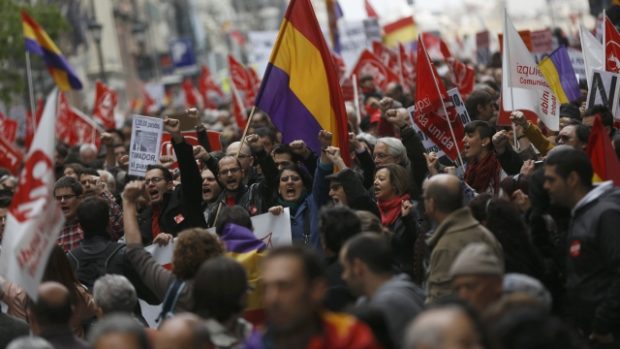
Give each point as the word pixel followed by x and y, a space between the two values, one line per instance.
pixel 89 267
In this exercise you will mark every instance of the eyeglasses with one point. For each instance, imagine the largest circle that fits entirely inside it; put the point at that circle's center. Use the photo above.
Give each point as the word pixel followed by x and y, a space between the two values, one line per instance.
pixel 227 171
pixel 563 138
pixel 64 197
pixel 291 177
pixel 380 156
pixel 153 180
pixel 244 156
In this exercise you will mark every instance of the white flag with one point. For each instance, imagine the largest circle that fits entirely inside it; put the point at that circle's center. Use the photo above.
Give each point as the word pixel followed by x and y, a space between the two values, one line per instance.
pixel 593 53
pixel 523 85
pixel 34 219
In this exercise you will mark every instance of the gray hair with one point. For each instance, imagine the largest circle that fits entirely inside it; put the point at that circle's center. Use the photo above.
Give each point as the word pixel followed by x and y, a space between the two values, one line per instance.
pixel 119 323
pixel 88 146
pixel 426 330
pixel 108 179
pixel 27 342
pixel 114 293
pixel 396 149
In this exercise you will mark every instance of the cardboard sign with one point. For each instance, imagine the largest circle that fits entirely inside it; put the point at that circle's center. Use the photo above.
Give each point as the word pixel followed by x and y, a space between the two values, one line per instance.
pixel 273 230
pixel 145 145
pixel 605 89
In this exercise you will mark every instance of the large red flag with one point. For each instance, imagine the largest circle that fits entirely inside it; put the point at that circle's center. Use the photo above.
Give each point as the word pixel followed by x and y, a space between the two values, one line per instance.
pixel 430 115
pixel 435 46
pixel 604 160
pixel 612 47
pixel 105 102
pixel 242 80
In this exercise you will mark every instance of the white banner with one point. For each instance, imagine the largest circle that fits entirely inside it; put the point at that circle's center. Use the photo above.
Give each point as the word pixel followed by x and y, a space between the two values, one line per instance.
pixel 578 63
pixel 273 230
pixel 145 143
pixel 605 90
pixel 593 52
pixel 261 43
pixel 523 85
pixel 34 219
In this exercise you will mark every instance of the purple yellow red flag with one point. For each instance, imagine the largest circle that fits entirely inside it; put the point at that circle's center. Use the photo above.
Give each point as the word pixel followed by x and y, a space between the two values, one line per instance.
pixel 39 43
pixel 300 90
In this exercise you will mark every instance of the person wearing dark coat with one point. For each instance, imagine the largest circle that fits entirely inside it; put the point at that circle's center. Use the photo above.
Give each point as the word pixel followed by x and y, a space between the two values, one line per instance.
pixel 346 188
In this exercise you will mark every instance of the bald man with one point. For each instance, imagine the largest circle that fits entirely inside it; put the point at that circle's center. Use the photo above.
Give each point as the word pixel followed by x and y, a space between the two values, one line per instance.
pixel 442 328
pixel 50 314
pixel 456 228
pixel 183 331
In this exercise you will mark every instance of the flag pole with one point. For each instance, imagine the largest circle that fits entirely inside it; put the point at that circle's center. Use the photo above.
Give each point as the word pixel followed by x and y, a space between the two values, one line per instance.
pixel 245 131
pixel 507 66
pixel 31 91
pixel 356 99
pixel 443 105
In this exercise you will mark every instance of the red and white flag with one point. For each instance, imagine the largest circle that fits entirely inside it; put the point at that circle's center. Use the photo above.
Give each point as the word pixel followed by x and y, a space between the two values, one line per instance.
pixel 34 219
pixel 73 127
pixel 9 128
pixel 208 87
pixel 242 80
pixel 254 78
pixel 430 116
pixel 105 102
pixel 10 157
pixel 386 55
pixel 369 64
pixel 524 87
pixel 612 47
pixel 463 76
pixel 407 69
pixel 437 48
pixel 192 97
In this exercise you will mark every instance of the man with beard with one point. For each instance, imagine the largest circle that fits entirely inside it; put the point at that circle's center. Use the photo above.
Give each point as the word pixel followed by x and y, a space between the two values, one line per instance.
pixel 256 198
pixel 171 210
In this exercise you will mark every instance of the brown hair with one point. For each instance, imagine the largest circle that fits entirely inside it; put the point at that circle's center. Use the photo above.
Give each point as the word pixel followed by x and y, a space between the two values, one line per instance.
pixel 399 178
pixel 194 246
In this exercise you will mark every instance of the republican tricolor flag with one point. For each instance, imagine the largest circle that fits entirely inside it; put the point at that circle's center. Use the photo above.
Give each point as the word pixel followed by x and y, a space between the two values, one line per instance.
pixel 300 90
pixel 39 43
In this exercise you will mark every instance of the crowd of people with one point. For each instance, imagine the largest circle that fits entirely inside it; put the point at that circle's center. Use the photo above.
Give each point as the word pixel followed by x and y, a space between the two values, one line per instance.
pixel 392 246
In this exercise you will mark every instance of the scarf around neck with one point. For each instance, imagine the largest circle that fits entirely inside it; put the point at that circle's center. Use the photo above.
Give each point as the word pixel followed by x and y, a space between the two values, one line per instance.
pixel 483 174
pixel 390 209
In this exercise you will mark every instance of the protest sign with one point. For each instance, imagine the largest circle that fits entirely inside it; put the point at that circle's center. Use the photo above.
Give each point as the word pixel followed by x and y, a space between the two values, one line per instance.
pixel 273 230
pixel 605 89
pixel 145 144
pixel 483 47
pixel 163 256
pixel 34 218
pixel 542 41
pixel 578 63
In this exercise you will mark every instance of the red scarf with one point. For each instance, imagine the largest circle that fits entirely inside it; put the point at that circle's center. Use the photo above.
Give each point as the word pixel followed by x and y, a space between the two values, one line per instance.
pixel 390 209
pixel 155 230
pixel 484 173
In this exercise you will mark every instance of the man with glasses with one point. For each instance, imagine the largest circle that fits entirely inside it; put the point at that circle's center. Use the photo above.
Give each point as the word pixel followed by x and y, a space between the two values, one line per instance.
pixel 172 209
pixel 256 198
pixel 246 160
pixel 68 193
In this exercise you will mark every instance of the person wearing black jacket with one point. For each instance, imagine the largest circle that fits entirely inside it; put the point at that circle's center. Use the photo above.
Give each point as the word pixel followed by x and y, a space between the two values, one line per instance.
pixel 593 245
pixel 171 210
pixel 97 254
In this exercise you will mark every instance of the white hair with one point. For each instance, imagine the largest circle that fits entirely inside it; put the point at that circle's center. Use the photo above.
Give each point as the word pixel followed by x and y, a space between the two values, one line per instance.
pixel 396 149
pixel 88 147
pixel 427 329
pixel 27 342
pixel 114 293
pixel 108 179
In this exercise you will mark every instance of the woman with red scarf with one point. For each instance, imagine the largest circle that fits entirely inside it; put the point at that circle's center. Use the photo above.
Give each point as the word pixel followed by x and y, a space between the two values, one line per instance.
pixel 391 188
pixel 483 172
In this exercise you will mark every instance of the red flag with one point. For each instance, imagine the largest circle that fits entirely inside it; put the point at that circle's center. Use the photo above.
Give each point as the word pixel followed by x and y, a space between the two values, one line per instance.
pixel 429 114
pixel 612 47
pixel 237 109
pixel 192 98
pixel 370 11
pixel 242 81
pixel 370 64
pixel 254 78
pixel 436 47
pixel 145 105
pixel 64 120
pixel 604 160
pixel 386 55
pixel 83 130
pixel 10 157
pixel 105 102
pixel 9 128
pixel 207 85
pixel 463 76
